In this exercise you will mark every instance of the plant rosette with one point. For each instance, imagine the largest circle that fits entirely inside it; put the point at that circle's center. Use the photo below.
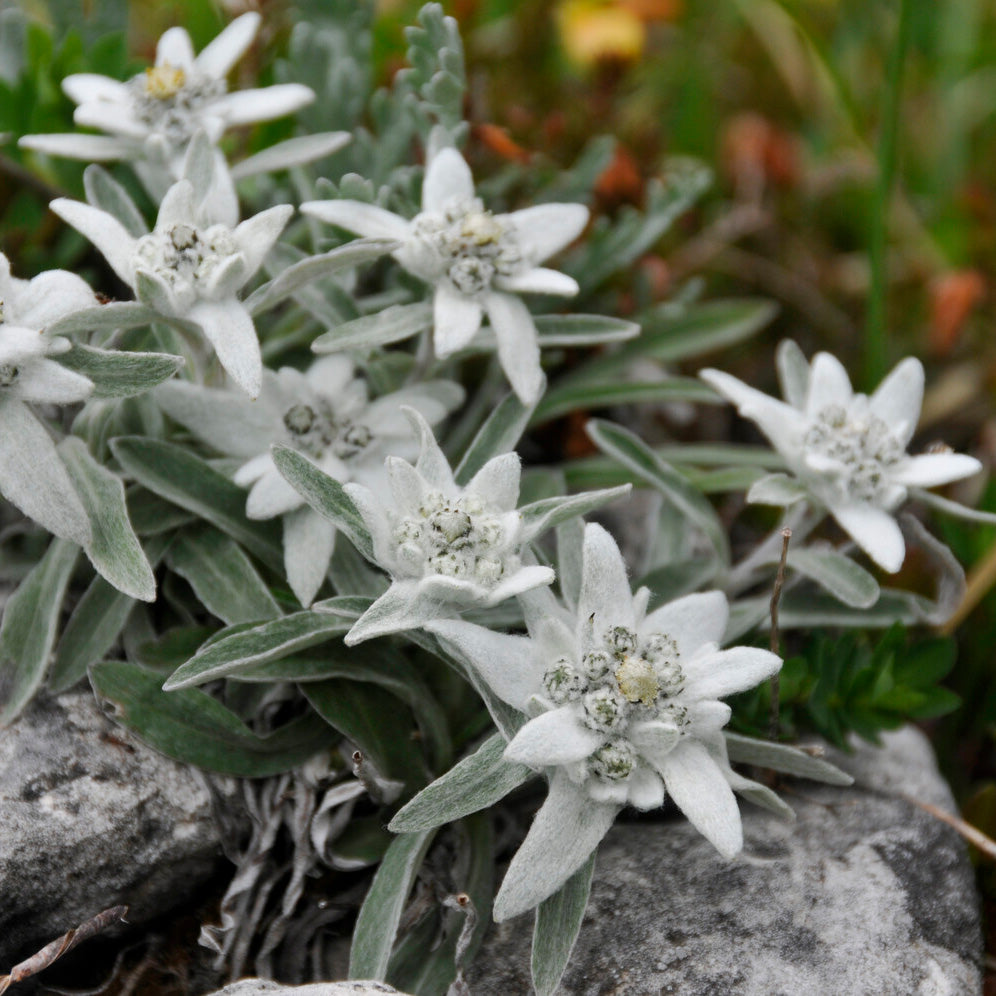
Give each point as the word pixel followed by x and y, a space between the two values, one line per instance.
pixel 624 709
pixel 847 451
pixel 477 262
pixel 325 414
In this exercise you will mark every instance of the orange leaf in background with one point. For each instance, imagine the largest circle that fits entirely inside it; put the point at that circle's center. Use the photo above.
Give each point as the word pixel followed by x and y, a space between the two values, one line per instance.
pixel 498 141
pixel 592 31
pixel 654 10
pixel 952 298
pixel 756 152
pixel 620 182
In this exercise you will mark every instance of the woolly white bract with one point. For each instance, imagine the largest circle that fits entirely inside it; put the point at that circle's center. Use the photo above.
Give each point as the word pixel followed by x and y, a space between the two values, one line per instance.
pixel 190 268
pixel 625 710
pixel 150 119
pixel 846 450
pixel 324 413
pixel 446 548
pixel 476 261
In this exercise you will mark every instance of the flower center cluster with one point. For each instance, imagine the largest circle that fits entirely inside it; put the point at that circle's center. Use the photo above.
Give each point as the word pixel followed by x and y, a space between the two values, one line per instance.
pixel 315 430
pixel 465 243
pixel 167 99
pixel 863 447
pixel 620 680
pixel 459 537
pixel 185 256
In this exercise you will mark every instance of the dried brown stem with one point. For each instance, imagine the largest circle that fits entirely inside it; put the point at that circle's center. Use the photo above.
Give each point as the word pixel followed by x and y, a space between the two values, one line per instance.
pixel 52 952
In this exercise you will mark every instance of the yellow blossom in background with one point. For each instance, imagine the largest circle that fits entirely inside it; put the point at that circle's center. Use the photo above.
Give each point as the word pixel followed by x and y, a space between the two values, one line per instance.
pixel 594 31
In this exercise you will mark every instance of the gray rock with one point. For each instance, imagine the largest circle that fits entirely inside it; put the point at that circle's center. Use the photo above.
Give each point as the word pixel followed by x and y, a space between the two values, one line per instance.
pixel 864 895
pixel 262 987
pixel 92 818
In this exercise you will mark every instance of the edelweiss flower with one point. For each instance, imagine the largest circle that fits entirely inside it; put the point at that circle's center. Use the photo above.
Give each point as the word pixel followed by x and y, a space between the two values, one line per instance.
pixel 325 414
pixel 477 261
pixel 155 114
pixel 190 269
pixel 625 710
pixel 446 548
pixel 32 476
pixel 847 450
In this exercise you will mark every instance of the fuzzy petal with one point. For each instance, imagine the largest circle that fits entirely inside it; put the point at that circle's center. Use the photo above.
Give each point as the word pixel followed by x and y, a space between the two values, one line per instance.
pixel 330 374
pixel 447 177
pixel 107 117
pixel 654 740
pixel 828 384
pixel 557 737
pixel 396 610
pixel 256 236
pixel 91 148
pixel 930 469
pixel 178 207
pixel 700 791
pixel 309 539
pixel 898 399
pixel 691 621
pixel 715 675
pixel 375 518
pixel 547 228
pixel 50 296
pixel 518 348
pixel 506 663
pixel 431 464
pixel 567 828
pixel 223 51
pixel 175 49
pixel 49 382
pixel 270 496
pixel 406 483
pixel 457 319
pixel 539 281
pixel 104 231
pixel 262 104
pixel 229 329
pixel 605 592
pixel 524 579
pixel 367 220
pixel 875 531
pixel 86 88
pixel 497 481
pixel 707 718
pixel 645 789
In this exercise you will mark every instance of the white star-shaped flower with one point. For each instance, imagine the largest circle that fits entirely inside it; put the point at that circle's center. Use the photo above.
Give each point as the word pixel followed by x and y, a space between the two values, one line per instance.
pixel 625 708
pixel 190 269
pixel 324 413
pixel 446 548
pixel 477 262
pixel 847 450
pixel 151 118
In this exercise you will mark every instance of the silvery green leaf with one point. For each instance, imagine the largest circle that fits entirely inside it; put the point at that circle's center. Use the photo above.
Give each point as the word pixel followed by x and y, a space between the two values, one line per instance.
pixel 199 162
pixel 558 923
pixel 250 647
pixel 782 757
pixel 291 152
pixel 953 508
pixel 604 394
pixel 474 783
pixel 27 633
pixel 837 573
pixel 761 795
pixel 105 318
pixel 95 625
pixel 325 495
pixel 500 433
pixel 222 576
pixel 33 478
pixel 641 460
pixel 194 727
pixel 377 923
pixel 777 489
pixel 793 372
pixel 177 475
pixel 542 515
pixel 350 572
pixel 677 578
pixel 583 330
pixel 119 374
pixel 297 275
pixel 113 549
pixel 400 321
pixel 104 192
pixel 746 613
